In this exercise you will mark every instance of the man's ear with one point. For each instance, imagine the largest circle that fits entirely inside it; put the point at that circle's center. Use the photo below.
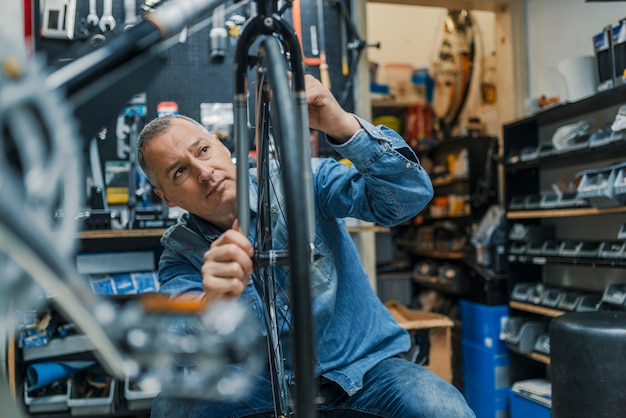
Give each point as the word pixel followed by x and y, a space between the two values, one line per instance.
pixel 164 198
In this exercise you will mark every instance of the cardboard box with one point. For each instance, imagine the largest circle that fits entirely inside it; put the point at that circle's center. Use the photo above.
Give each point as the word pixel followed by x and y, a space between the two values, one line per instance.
pixel 439 335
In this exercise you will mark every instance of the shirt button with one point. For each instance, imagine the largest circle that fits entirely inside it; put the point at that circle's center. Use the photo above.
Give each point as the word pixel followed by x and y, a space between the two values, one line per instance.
pixel 408 165
pixel 286 308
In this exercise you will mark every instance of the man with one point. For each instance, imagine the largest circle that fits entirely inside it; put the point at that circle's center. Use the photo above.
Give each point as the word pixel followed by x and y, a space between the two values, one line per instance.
pixel 359 371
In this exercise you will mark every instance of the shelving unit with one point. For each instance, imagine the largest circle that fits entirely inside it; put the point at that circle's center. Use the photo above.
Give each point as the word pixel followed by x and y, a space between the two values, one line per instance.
pixel 437 242
pixel 77 347
pixel 549 266
pixel 441 234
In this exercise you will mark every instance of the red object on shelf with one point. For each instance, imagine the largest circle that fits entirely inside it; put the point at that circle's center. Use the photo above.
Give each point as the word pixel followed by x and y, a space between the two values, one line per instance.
pixel 419 124
pixel 28 19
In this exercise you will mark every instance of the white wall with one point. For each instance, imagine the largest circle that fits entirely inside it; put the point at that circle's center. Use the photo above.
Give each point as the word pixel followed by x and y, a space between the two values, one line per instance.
pixel 560 29
pixel 406 33
pixel 412 34
pixel 12 19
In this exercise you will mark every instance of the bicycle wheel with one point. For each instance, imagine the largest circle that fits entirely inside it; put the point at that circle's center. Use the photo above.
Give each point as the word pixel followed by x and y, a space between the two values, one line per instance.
pixel 285 207
pixel 40 171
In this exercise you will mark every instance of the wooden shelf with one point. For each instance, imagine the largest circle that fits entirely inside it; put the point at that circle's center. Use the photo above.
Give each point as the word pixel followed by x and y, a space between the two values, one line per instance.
pixel 563 213
pixel 374 228
pixel 541 310
pixel 381 103
pixel 542 358
pixel 121 233
pixel 450 179
pixel 446 255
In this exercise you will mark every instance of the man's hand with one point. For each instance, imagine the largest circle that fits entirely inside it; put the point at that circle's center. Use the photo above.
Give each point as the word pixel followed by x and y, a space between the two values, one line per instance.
pixel 227 265
pixel 326 114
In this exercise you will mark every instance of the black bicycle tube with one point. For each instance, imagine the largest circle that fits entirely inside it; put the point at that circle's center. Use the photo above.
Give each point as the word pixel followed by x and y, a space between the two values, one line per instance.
pixel 297 171
pixel 291 146
pixel 242 147
pixel 292 46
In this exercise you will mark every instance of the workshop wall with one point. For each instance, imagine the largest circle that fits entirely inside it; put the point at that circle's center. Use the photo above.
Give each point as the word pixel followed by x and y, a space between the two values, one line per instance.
pixel 193 75
pixel 556 31
pixel 415 37
pixel 190 76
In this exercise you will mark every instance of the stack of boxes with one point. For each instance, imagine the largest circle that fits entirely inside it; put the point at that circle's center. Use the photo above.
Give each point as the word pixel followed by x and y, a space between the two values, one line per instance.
pixel 486 379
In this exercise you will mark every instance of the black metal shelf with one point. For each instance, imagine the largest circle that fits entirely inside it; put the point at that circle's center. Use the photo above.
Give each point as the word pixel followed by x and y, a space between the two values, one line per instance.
pixel 442 255
pixel 567 110
pixel 528 138
pixel 579 156
pixel 449 179
pixel 541 260
pixel 564 213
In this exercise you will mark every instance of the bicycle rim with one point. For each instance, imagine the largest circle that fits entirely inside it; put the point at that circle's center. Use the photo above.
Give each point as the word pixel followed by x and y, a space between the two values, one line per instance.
pixel 283 200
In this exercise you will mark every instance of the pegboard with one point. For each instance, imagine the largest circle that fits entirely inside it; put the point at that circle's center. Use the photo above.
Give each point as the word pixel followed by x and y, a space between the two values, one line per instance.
pixel 190 77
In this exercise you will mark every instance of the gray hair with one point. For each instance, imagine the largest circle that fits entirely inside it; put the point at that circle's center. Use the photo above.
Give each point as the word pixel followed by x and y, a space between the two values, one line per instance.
pixel 154 128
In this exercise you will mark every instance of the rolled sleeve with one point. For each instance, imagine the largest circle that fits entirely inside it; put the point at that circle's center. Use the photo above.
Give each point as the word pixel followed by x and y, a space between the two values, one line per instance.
pixel 389 186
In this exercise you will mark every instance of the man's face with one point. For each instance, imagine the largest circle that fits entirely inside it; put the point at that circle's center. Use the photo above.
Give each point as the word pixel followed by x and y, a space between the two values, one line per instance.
pixel 194 171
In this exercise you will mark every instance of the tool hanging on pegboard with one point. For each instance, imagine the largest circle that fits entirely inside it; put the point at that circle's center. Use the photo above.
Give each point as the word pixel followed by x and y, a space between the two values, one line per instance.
pixel 352 46
pixel 310 30
pixel 129 123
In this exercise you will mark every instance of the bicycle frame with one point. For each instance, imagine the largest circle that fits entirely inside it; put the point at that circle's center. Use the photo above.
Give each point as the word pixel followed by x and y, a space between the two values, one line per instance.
pixel 79 84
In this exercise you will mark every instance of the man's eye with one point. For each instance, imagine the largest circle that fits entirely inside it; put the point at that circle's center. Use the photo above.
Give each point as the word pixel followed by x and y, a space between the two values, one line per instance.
pixel 178 172
pixel 205 152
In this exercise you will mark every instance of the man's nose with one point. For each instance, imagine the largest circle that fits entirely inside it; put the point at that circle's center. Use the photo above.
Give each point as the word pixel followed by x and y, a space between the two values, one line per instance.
pixel 204 171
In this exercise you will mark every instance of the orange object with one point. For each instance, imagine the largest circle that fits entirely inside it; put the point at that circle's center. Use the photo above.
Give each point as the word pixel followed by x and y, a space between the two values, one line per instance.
pixel 316 62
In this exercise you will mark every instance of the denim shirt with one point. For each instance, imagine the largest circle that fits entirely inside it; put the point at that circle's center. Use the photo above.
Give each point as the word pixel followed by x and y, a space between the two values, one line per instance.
pixel 353 329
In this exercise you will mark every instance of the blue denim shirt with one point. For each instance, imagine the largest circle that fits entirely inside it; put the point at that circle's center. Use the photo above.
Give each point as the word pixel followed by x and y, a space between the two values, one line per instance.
pixel 354 330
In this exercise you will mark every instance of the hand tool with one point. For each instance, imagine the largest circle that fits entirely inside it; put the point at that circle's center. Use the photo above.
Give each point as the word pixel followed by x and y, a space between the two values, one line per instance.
pixel 130 13
pixel 317 40
pixel 107 21
pixel 321 36
pixel 92 17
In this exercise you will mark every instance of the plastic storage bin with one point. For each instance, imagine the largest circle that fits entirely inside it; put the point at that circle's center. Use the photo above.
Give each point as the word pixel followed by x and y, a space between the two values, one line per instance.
pixel 521 334
pixel 597 186
pixel 92 406
pixel 137 399
pixel 483 325
pixel 525 408
pixel 486 404
pixel 398 76
pixel 485 369
pixel 52 403
pixel 619 187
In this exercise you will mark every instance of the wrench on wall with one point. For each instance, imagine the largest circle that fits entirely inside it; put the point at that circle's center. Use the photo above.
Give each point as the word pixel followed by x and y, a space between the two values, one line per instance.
pixel 92 17
pixel 107 21
pixel 130 13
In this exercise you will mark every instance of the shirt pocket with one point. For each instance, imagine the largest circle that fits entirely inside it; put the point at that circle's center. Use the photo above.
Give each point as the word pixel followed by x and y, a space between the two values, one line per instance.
pixel 322 270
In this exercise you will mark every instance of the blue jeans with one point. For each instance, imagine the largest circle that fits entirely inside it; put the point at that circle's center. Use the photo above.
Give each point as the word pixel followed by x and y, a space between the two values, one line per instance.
pixel 395 388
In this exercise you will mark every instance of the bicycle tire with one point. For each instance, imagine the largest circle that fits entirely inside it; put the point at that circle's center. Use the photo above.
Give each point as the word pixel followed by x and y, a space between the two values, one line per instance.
pixel 280 127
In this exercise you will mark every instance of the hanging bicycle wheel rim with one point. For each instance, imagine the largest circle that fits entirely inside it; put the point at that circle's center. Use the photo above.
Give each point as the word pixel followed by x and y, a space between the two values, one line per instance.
pixel 283 153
